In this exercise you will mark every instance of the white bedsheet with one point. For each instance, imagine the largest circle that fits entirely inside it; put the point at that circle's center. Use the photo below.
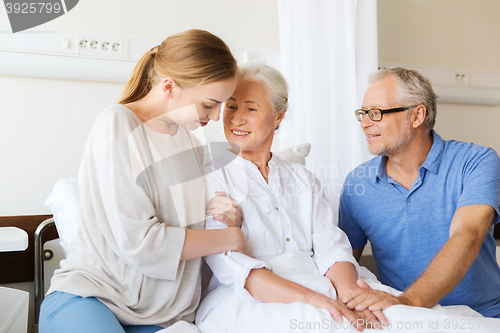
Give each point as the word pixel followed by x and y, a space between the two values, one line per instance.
pixel 223 312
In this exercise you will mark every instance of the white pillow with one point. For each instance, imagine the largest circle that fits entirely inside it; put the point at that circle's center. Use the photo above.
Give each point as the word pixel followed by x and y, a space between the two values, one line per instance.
pixel 295 154
pixel 63 202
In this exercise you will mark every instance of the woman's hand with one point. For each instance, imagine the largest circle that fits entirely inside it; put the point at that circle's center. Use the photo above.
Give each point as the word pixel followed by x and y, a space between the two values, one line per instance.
pixel 201 242
pixel 344 278
pixel 361 299
pixel 370 319
pixel 337 309
pixel 224 209
pixel 238 240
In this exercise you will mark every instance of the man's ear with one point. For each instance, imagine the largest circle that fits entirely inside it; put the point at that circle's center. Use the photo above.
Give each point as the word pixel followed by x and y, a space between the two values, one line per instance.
pixel 168 86
pixel 418 115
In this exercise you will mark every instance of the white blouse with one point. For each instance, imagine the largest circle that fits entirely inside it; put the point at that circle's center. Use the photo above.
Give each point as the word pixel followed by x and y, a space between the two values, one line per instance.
pixel 288 214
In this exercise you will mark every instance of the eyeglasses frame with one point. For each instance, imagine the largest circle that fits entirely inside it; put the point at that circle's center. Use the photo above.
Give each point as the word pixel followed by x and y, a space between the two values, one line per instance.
pixel 382 112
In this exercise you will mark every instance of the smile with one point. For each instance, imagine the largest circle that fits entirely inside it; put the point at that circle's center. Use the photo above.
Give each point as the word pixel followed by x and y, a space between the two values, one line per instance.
pixel 240 133
pixel 203 123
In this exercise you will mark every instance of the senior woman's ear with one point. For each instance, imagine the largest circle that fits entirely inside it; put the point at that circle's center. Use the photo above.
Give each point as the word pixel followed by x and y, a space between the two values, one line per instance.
pixel 279 118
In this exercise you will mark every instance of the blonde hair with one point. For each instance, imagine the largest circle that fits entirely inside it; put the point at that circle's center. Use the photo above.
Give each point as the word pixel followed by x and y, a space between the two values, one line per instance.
pixel 191 58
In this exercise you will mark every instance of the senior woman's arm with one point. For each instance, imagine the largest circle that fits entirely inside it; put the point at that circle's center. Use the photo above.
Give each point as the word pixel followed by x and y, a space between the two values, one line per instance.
pixel 266 286
pixel 344 278
pixel 332 250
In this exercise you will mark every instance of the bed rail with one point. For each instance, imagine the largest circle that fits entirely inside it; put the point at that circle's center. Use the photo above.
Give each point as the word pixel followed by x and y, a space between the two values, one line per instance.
pixel 39 258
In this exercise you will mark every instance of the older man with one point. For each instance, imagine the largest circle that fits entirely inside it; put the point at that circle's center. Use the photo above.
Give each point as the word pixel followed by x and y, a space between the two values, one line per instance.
pixel 427 205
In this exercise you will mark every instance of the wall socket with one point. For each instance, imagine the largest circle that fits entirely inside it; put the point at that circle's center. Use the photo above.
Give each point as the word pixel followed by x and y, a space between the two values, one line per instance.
pixel 461 78
pixel 100 46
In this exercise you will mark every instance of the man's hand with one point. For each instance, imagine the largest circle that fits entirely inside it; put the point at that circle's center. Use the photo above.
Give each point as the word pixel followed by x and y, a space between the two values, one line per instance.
pixel 356 296
pixel 337 309
pixel 224 209
pixel 366 298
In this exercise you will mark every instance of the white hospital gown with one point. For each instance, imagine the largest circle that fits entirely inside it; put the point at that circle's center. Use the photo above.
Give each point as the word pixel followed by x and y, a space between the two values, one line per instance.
pixel 290 230
pixel 288 214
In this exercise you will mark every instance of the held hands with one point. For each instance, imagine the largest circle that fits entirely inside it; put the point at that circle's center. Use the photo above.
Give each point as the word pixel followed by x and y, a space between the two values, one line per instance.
pixel 338 309
pixel 225 210
pixel 365 298
pixel 370 318
pixel 239 242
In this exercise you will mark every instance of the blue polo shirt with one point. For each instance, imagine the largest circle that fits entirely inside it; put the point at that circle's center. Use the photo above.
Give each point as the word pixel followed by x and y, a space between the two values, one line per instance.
pixel 407 228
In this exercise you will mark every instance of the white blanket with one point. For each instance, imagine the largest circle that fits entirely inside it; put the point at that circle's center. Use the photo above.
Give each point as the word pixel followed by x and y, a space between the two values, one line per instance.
pixel 222 312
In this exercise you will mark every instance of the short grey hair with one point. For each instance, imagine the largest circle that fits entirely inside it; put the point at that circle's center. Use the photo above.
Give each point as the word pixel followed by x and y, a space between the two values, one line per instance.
pixel 413 89
pixel 273 81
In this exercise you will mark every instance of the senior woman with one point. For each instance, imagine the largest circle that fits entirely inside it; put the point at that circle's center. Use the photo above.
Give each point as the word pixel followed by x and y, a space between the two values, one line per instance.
pixel 286 218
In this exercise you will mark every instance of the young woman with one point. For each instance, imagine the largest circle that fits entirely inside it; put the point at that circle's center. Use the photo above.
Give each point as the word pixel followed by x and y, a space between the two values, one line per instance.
pixel 134 266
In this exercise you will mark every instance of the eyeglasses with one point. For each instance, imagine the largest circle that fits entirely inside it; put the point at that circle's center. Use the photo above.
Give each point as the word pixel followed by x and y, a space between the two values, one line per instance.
pixel 376 114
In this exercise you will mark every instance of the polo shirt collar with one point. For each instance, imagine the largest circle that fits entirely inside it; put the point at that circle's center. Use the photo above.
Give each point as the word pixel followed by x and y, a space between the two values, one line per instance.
pixel 435 154
pixel 431 163
pixel 381 174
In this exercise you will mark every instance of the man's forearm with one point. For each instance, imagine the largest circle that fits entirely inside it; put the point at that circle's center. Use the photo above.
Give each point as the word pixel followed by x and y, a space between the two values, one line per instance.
pixel 468 228
pixel 445 272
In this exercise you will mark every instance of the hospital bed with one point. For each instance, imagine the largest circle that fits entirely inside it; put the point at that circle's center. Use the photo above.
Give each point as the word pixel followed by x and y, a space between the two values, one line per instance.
pixel 48 256
pixel 63 202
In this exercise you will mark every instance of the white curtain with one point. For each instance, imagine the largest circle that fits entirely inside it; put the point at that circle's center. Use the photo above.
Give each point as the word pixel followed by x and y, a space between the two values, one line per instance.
pixel 328 48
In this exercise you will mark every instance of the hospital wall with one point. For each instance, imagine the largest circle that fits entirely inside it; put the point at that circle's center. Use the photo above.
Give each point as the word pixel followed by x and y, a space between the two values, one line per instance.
pixel 459 34
pixel 44 123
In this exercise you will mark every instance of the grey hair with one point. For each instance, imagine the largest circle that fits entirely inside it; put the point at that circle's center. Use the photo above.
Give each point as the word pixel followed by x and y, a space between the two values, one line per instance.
pixel 413 89
pixel 273 81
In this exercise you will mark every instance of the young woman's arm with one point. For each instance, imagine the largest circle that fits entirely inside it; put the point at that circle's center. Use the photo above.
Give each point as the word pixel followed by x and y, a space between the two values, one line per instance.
pixel 201 242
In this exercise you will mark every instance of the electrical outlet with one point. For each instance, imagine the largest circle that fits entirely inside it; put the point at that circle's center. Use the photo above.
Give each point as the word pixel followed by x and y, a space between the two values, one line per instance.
pixel 461 78
pixel 113 48
pixel 84 44
pixel 89 45
pixel 94 45
pixel 100 46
